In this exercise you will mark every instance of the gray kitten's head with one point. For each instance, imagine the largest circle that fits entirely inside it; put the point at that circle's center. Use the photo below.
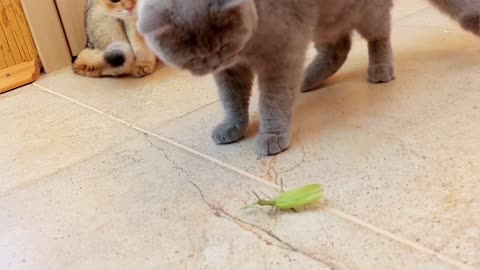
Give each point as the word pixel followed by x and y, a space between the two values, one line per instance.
pixel 201 36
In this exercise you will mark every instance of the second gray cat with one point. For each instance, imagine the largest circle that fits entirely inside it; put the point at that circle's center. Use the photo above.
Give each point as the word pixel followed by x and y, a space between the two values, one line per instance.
pixel 235 39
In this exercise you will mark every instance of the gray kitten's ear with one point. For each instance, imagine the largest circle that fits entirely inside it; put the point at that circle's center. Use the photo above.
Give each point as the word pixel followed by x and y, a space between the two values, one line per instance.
pixel 151 22
pixel 152 28
pixel 228 4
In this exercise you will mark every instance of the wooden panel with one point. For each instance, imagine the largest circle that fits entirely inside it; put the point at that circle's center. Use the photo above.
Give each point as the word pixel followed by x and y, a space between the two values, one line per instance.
pixel 19 75
pixel 18 63
pixel 16 45
pixel 16 36
pixel 24 29
pixel 3 63
pixel 8 31
pixel 47 33
pixel 72 13
pixel 5 50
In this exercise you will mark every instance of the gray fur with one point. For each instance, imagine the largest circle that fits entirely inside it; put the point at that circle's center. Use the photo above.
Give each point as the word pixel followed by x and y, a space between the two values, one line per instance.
pixel 234 86
pixel 234 39
pixel 466 12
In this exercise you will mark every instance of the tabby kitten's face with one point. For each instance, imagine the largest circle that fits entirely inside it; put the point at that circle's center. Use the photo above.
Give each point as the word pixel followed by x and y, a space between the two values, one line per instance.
pixel 119 8
pixel 201 36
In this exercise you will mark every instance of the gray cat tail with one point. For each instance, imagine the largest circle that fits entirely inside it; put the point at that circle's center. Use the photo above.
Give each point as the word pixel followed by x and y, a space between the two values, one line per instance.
pixel 466 12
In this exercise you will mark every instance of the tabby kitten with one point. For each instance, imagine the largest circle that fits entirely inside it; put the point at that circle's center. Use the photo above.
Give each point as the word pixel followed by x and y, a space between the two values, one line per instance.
pixel 114 45
pixel 235 39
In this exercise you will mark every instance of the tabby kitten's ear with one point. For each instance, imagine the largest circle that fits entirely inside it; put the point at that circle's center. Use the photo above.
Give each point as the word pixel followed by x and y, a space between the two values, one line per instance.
pixel 224 5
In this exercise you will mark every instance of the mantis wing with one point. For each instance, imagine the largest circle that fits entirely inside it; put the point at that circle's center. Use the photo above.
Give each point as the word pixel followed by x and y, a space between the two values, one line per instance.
pixel 299 197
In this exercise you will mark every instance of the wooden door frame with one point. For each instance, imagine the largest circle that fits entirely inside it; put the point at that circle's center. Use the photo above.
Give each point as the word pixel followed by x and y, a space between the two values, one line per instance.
pixel 48 34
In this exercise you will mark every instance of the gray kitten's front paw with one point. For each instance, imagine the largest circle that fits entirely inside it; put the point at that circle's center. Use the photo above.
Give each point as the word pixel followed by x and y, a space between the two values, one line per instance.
pixel 229 132
pixel 272 143
pixel 380 73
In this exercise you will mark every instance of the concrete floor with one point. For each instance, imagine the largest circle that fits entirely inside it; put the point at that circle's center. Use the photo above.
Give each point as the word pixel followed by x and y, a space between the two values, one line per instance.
pixel 122 173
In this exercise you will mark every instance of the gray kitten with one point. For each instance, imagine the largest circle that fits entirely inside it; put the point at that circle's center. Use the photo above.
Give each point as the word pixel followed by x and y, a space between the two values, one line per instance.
pixel 235 39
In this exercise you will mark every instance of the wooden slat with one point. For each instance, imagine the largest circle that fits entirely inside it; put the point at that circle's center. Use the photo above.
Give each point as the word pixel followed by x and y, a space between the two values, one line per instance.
pixel 17 34
pixel 5 47
pixel 20 29
pixel 9 34
pixel 16 43
pixel 3 52
pixel 24 29
pixel 3 64
pixel 19 75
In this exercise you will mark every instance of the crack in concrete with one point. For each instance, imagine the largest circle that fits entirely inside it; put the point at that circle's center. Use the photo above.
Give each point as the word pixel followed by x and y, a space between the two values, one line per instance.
pixel 333 211
pixel 302 161
pixel 272 174
pixel 167 157
pixel 268 237
pixel 190 112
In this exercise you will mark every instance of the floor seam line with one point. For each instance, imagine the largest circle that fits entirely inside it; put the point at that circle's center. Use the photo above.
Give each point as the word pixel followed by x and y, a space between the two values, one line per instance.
pixel 333 211
pixel 409 14
pixel 406 15
pixel 44 177
pixel 447 31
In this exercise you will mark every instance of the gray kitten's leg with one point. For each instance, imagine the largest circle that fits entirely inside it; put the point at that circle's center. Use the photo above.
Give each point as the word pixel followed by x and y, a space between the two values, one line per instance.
pixel 327 62
pixel 278 87
pixel 380 67
pixel 376 30
pixel 234 86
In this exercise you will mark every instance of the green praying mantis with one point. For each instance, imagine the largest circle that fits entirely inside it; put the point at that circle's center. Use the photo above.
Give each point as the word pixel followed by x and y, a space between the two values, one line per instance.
pixel 289 200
